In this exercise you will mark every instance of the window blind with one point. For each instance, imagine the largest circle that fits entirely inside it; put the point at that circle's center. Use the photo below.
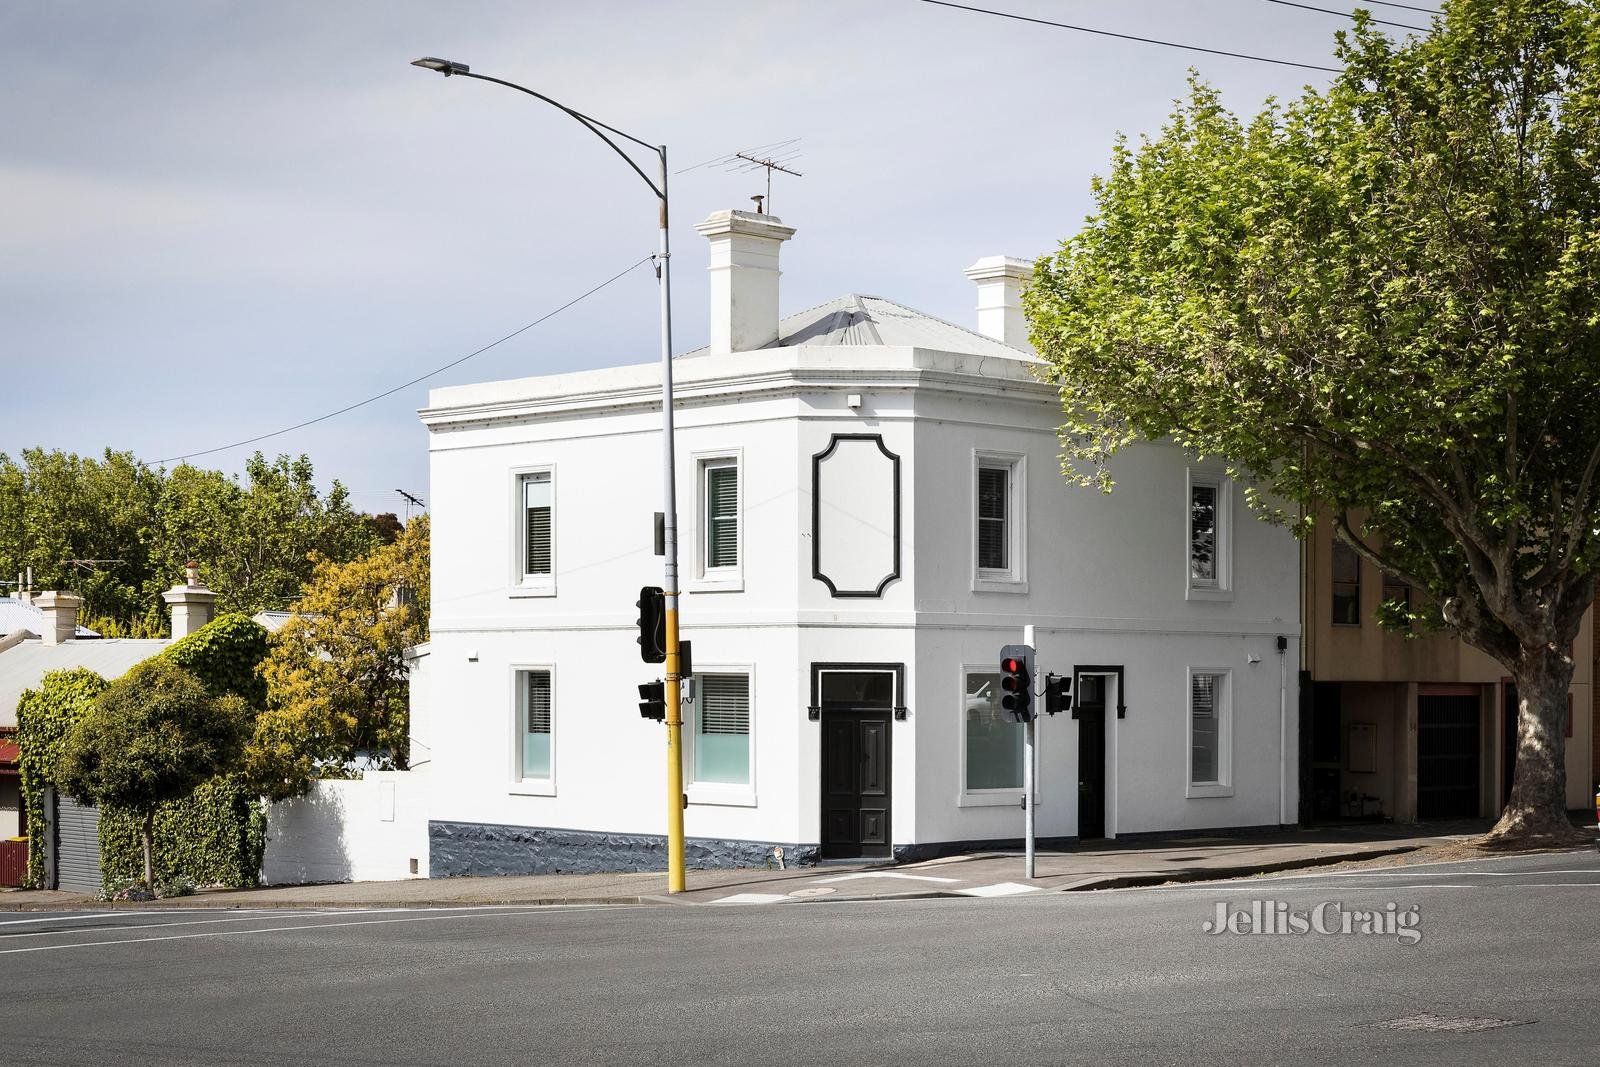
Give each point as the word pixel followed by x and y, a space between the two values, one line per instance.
pixel 993 542
pixel 724 704
pixel 536 498
pixel 1203 716
pixel 722 516
pixel 538 702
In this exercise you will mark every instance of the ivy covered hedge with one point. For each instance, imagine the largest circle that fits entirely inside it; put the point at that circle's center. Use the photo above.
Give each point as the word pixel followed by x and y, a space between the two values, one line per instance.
pixel 224 655
pixel 44 718
pixel 215 835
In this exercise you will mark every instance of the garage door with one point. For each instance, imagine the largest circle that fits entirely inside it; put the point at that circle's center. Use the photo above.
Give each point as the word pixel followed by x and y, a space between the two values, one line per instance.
pixel 1447 757
pixel 77 846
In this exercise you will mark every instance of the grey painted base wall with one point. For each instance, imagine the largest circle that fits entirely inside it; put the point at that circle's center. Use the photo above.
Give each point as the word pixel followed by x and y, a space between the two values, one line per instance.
pixel 463 848
pixel 468 848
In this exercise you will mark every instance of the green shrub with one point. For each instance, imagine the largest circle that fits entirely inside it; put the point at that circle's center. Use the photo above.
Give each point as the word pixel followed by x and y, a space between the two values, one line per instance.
pixel 214 836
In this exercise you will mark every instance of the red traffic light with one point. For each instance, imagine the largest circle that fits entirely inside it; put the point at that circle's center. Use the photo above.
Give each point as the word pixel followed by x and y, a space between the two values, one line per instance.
pixel 1011 665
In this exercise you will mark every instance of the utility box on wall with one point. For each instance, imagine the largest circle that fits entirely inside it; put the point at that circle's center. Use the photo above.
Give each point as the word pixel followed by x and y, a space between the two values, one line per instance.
pixel 1362 755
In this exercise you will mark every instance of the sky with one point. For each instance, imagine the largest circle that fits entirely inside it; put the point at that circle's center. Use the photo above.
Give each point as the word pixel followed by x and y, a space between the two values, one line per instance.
pixel 221 219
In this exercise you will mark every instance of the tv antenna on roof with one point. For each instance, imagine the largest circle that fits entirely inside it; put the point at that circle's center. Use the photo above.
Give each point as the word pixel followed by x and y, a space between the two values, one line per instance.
pixel 770 157
pixel 411 501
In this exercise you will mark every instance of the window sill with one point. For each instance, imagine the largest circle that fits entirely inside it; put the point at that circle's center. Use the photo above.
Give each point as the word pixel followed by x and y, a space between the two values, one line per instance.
pixel 1208 593
pixel 1010 798
pixel 721 796
pixel 532 788
pixel 982 584
pixel 1201 792
pixel 716 583
pixel 532 589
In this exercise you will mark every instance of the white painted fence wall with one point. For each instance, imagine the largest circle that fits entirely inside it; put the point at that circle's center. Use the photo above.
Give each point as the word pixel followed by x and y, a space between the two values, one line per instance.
pixel 370 829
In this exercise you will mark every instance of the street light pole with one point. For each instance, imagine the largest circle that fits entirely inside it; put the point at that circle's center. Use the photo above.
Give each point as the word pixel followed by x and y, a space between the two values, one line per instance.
pixel 676 801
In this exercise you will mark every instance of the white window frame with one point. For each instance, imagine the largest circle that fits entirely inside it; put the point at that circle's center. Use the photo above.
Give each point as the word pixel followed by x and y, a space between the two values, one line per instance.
pixel 1223 786
pixel 709 579
pixel 1222 587
pixel 522 583
pixel 538 787
pixel 979 798
pixel 1013 578
pixel 720 794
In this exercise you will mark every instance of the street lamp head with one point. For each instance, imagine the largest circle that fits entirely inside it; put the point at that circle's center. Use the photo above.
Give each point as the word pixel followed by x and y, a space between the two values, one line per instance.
pixel 443 66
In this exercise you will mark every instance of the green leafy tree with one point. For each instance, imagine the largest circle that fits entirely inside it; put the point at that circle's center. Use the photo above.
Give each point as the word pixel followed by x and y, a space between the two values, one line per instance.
pixel 1382 301
pixel 337 676
pixel 253 541
pixel 58 507
pixel 152 736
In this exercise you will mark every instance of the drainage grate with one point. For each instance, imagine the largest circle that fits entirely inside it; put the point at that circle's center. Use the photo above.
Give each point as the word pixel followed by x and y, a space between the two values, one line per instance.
pixel 1445 1024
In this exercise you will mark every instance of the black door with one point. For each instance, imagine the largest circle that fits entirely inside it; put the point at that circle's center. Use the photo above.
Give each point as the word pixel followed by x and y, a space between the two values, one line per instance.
pixel 1447 757
pixel 855 783
pixel 1091 712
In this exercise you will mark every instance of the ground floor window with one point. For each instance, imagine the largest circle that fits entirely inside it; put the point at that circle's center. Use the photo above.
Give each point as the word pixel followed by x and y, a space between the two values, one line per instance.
pixel 994 741
pixel 721 729
pixel 1210 733
pixel 535 715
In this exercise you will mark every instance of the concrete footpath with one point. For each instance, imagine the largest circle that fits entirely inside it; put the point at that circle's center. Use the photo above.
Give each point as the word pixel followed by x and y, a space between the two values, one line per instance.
pixel 1096 865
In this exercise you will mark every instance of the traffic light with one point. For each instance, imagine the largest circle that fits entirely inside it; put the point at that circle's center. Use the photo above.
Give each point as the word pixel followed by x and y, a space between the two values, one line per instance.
pixel 653 700
pixel 652 606
pixel 1016 681
pixel 1057 693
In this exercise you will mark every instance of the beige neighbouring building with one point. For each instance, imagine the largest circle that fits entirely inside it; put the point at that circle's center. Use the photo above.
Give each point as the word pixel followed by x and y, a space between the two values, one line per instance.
pixel 1411 728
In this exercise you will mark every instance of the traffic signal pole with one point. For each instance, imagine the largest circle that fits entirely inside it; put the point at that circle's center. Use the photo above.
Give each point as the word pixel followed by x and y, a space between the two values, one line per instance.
pixel 675 797
pixel 1029 772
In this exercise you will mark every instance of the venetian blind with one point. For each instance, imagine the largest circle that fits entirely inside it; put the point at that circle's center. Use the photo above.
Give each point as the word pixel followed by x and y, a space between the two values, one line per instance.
pixel 722 516
pixel 724 703
pixel 1203 713
pixel 992 539
pixel 537 503
pixel 538 702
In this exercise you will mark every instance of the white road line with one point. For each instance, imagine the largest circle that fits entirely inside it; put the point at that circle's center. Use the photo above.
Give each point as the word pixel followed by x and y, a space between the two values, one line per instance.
pixel 264 930
pixel 751 898
pixel 999 889
pixel 884 874
pixel 157 926
pixel 62 918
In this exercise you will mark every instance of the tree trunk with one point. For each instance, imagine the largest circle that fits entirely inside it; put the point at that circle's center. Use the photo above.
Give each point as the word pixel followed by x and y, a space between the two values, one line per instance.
pixel 147 832
pixel 1537 809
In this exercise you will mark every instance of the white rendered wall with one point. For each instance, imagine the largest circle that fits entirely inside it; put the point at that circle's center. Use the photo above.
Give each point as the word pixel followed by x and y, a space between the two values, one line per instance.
pixel 1106 583
pixel 363 830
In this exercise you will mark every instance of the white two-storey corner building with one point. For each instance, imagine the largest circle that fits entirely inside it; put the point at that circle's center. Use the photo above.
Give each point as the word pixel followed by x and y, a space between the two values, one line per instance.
pixel 870 507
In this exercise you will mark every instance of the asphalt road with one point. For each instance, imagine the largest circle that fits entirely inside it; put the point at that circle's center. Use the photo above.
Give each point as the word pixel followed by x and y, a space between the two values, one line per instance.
pixel 1121 976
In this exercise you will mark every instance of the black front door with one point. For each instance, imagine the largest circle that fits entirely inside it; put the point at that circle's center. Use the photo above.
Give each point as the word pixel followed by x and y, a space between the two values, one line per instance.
pixel 855 783
pixel 1447 757
pixel 1091 765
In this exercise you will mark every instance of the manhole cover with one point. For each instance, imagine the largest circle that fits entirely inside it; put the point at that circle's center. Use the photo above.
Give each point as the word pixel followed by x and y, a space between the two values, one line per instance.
pixel 1446 1024
pixel 815 891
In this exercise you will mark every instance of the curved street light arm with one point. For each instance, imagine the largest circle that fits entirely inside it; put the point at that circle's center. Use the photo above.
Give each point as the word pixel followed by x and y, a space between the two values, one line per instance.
pixel 595 126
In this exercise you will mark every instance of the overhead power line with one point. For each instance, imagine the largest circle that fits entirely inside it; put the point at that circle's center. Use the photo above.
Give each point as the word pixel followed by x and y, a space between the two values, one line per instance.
pixel 1407 7
pixel 1130 37
pixel 422 378
pixel 1347 15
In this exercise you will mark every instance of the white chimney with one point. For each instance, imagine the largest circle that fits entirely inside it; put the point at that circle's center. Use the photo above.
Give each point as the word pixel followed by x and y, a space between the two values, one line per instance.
pixel 192 604
pixel 744 278
pixel 1001 280
pixel 60 616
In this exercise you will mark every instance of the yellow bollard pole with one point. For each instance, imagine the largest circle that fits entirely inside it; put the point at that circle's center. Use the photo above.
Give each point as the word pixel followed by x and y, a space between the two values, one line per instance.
pixel 675 797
